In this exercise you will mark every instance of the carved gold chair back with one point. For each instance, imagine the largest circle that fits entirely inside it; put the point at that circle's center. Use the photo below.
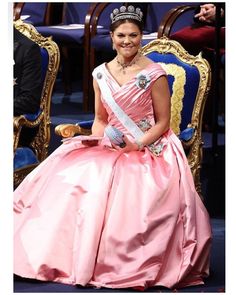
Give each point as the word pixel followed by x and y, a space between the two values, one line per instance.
pixel 50 64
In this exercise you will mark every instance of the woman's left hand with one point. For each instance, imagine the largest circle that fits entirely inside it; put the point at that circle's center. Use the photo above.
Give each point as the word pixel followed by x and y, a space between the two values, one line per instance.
pixel 129 146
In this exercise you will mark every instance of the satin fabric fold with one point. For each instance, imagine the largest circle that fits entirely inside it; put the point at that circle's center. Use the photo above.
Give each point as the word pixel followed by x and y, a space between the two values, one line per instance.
pixel 97 216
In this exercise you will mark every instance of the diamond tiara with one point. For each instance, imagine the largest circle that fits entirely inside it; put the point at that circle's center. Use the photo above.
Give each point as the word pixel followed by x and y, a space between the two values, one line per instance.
pixel 129 12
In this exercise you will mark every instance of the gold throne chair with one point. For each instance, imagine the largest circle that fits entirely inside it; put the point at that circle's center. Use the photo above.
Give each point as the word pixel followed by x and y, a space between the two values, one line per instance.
pixel 27 158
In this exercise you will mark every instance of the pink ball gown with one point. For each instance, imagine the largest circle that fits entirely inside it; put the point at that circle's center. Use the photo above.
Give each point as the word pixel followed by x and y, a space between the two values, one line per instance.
pixel 97 216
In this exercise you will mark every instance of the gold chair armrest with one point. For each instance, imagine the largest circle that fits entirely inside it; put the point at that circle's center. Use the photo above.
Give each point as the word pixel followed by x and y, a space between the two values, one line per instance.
pixel 21 120
pixel 69 130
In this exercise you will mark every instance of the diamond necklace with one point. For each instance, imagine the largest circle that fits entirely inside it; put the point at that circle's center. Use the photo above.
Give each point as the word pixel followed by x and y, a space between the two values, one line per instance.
pixel 128 64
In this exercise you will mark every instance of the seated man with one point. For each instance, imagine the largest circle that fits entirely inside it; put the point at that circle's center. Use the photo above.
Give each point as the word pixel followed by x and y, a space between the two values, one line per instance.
pixel 27 81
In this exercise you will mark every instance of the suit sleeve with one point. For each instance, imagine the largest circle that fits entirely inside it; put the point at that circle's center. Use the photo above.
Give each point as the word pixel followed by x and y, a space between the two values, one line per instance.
pixel 29 85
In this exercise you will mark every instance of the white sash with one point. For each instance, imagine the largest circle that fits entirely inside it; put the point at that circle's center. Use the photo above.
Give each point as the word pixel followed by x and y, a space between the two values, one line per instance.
pixel 125 120
pixel 157 147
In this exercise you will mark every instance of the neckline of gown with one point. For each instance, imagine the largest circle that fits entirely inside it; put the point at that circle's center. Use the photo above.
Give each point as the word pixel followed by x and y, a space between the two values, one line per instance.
pixel 114 79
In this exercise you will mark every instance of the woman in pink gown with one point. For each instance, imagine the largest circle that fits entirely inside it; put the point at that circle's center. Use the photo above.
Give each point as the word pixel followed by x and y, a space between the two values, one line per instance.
pixel 99 214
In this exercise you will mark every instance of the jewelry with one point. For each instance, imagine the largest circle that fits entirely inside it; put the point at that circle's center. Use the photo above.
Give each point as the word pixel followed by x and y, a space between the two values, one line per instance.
pixel 156 149
pixel 124 12
pixel 128 64
pixel 142 81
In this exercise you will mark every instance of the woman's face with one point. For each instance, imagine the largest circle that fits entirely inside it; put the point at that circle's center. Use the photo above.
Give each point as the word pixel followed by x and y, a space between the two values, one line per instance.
pixel 126 39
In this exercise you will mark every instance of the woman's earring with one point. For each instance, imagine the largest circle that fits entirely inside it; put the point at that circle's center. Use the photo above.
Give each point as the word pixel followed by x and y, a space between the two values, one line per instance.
pixel 113 46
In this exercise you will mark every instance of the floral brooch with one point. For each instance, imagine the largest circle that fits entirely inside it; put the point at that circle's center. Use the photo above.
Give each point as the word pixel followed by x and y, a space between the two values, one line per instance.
pixel 156 149
pixel 142 81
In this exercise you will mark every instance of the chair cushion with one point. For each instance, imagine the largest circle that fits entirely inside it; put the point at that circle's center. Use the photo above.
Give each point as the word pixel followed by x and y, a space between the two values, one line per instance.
pixel 102 43
pixel 190 88
pixel 44 62
pixel 75 12
pixel 36 13
pixel 24 156
pixel 62 35
pixel 85 124
pixel 186 134
pixel 195 39
pixel 33 117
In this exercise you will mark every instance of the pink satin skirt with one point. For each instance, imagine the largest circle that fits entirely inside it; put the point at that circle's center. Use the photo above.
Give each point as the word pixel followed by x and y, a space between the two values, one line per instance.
pixel 96 216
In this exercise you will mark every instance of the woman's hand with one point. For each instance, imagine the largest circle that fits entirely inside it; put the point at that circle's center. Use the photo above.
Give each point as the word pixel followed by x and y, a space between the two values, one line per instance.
pixel 129 146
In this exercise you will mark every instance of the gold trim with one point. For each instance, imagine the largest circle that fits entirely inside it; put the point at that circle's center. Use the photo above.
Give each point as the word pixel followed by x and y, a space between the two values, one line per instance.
pixel 177 93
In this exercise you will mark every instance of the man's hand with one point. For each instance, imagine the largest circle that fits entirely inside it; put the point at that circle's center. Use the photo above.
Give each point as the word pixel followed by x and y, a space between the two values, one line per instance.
pixel 207 13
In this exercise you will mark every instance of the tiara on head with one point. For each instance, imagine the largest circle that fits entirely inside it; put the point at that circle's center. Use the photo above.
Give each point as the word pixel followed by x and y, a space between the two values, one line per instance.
pixel 124 12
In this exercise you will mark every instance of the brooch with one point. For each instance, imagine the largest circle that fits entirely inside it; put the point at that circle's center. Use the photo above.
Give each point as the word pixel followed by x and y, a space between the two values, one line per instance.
pixel 156 149
pixel 144 125
pixel 99 75
pixel 142 81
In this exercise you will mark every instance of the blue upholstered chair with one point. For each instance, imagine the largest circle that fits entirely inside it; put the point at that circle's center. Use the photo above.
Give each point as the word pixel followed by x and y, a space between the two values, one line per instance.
pixel 189 80
pixel 27 158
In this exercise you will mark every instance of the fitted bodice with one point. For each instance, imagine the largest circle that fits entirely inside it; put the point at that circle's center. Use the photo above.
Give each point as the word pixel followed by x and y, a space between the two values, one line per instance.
pixel 134 96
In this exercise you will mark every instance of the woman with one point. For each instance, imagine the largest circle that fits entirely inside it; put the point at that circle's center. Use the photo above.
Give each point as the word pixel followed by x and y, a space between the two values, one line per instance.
pixel 121 214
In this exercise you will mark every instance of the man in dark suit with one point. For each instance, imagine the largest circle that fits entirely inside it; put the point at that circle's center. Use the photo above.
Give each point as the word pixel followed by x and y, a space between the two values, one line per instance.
pixel 27 81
